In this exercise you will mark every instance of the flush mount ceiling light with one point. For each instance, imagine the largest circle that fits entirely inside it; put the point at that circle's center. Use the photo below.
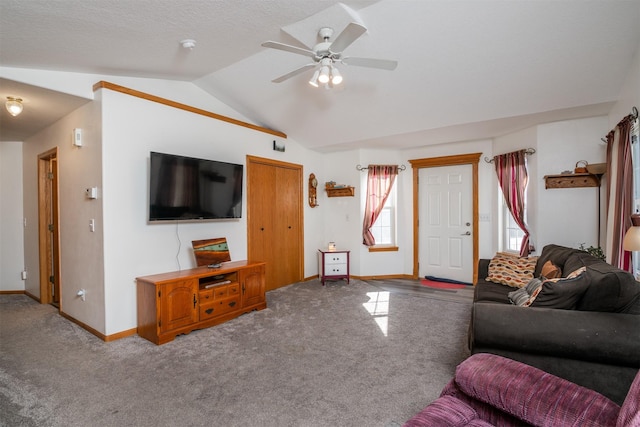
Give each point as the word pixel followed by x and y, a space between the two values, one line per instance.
pixel 14 105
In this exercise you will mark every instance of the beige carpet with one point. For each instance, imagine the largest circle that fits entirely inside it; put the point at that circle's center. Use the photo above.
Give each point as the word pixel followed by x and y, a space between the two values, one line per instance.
pixel 363 354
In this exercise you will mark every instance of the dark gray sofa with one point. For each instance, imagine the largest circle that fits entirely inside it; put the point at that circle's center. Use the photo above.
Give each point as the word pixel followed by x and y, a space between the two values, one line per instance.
pixel 593 340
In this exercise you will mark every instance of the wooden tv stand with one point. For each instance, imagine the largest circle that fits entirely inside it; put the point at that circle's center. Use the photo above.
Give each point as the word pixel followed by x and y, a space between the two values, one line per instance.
pixel 170 304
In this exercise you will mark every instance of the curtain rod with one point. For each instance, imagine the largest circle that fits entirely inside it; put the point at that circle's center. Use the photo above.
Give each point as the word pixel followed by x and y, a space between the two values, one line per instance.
pixel 634 116
pixel 527 151
pixel 360 168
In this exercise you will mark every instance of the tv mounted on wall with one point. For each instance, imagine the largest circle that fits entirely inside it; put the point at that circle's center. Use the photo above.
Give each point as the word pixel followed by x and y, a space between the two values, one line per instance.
pixel 186 188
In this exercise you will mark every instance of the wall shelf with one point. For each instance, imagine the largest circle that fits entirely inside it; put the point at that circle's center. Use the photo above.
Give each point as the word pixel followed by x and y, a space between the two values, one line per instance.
pixel 340 192
pixel 574 180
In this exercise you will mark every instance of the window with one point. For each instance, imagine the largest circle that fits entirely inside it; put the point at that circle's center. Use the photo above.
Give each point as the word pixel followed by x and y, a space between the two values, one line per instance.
pixel 384 229
pixel 510 233
pixel 513 233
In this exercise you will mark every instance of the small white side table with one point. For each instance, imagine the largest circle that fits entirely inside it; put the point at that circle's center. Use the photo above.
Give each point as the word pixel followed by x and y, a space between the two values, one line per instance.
pixel 333 265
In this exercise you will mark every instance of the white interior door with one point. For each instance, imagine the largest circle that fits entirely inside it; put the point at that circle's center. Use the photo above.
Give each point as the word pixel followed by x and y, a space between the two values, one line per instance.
pixel 445 230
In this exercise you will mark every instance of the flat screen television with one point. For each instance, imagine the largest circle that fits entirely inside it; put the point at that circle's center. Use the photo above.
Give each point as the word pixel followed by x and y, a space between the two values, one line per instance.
pixel 187 188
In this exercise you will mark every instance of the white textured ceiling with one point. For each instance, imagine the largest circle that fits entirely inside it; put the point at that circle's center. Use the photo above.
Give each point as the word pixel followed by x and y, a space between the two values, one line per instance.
pixel 467 69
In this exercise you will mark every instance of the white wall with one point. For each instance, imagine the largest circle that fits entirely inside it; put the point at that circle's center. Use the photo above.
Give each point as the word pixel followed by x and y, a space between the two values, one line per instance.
pixel 569 217
pixel 81 251
pixel 119 131
pixel 343 216
pixel 11 217
pixel 132 127
pixel 629 95
pixel 385 263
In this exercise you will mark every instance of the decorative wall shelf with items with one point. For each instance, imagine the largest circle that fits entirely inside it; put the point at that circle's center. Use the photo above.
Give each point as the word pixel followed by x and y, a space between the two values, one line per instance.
pixel 573 180
pixel 334 190
pixel 584 175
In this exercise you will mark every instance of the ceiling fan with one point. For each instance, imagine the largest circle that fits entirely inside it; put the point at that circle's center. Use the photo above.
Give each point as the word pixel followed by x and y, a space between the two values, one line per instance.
pixel 327 53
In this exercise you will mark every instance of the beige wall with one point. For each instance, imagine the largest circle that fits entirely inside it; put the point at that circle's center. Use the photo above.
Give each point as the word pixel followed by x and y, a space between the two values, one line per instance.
pixel 11 217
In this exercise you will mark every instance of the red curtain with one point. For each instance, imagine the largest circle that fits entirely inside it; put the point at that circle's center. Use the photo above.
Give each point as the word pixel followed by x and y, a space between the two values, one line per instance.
pixel 511 169
pixel 619 192
pixel 379 184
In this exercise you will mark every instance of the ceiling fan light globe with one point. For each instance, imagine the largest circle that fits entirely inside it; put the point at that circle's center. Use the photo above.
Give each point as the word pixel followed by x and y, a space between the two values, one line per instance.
pixel 324 75
pixel 314 80
pixel 336 77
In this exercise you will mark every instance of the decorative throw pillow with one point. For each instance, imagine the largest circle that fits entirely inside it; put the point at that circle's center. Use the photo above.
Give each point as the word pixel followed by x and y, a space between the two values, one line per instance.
pixel 519 296
pixel 523 297
pixel 511 270
pixel 550 270
pixel 533 296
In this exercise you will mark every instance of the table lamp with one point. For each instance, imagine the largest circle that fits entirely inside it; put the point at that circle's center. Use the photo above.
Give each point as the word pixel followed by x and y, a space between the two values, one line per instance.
pixel 631 241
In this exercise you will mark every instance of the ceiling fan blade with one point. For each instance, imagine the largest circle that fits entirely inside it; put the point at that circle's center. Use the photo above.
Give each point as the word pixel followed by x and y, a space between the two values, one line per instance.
pixel 294 73
pixel 347 36
pixel 289 48
pixel 383 64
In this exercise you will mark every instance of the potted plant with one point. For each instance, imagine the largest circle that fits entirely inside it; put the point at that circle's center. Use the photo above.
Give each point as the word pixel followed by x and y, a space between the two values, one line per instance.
pixel 596 252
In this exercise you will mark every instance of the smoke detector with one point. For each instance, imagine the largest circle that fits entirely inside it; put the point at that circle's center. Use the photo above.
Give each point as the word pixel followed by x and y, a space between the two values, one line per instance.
pixel 188 44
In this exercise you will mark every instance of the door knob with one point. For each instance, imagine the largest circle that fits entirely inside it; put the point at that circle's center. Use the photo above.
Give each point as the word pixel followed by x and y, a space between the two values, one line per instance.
pixel 468 233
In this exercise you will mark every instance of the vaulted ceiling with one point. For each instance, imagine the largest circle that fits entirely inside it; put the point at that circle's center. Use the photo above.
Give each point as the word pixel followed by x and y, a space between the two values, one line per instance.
pixel 466 69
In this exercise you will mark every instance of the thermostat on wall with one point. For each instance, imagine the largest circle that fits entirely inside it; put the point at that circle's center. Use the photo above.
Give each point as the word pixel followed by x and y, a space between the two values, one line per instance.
pixel 77 137
pixel 92 192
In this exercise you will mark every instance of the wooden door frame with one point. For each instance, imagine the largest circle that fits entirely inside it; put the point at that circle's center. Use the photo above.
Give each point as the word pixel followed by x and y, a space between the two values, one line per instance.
pixel 44 240
pixel 252 160
pixel 432 162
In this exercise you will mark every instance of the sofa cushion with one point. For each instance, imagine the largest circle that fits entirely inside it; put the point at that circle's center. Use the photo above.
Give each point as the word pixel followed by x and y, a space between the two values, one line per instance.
pixel 491 292
pixel 511 270
pixel 610 290
pixel 531 394
pixel 563 293
pixel 563 341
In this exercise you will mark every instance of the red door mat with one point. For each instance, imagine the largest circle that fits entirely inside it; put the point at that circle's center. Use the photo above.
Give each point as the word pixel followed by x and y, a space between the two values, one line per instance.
pixel 434 282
